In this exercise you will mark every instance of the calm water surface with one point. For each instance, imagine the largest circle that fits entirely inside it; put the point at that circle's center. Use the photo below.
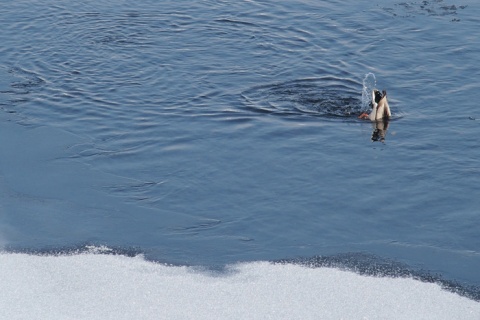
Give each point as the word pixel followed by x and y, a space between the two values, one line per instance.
pixel 211 132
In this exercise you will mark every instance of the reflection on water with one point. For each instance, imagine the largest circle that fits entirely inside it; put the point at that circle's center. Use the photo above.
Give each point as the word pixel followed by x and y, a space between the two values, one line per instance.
pixel 380 130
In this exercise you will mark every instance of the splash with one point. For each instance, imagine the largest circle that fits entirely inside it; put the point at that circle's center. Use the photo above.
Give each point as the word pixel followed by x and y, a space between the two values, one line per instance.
pixel 369 83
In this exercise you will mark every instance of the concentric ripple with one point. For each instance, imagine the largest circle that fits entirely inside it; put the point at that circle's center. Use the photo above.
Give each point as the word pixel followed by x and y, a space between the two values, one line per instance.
pixel 326 96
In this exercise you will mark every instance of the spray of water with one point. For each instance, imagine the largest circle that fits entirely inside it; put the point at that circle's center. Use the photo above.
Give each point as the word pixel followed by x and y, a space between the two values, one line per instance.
pixel 369 83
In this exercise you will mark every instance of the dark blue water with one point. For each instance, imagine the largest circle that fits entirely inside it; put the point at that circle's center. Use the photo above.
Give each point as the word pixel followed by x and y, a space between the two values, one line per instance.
pixel 211 132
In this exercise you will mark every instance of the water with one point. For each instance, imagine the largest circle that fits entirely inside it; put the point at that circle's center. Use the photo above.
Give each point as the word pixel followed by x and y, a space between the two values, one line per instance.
pixel 216 132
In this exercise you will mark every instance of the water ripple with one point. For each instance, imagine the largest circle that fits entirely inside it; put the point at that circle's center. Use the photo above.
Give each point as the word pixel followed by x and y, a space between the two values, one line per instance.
pixel 327 97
